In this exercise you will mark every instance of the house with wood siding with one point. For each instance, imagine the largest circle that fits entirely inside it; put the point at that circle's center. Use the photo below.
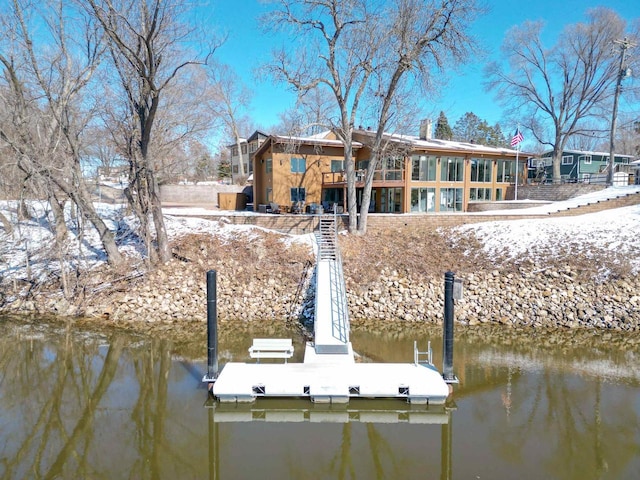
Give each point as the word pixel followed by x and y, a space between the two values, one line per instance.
pixel 418 174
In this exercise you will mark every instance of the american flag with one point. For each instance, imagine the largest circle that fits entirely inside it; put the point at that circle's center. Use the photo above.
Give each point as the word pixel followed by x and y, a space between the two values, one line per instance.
pixel 517 138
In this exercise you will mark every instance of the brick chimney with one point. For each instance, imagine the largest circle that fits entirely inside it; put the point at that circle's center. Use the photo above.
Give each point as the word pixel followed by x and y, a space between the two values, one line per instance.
pixel 426 129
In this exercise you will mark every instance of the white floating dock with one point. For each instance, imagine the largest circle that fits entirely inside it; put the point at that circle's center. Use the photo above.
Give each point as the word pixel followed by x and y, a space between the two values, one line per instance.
pixel 329 378
pixel 329 373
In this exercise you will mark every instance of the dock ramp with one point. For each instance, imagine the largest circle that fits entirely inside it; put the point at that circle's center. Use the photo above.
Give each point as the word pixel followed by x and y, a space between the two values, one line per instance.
pixel 331 324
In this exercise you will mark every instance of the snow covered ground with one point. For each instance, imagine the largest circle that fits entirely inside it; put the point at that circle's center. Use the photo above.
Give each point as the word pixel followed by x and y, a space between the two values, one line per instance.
pixel 30 245
pixel 593 197
pixel 28 251
pixel 614 231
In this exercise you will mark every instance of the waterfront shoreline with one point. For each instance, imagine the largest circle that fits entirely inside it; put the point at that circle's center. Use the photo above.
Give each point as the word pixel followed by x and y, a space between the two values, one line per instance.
pixel 267 277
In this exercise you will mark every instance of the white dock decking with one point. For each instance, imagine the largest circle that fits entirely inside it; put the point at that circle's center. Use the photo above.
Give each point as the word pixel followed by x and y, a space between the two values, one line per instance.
pixel 329 373
pixel 331 378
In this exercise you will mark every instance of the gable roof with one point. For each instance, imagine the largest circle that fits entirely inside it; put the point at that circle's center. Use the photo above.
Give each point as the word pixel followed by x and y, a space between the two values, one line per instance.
pixel 414 142
pixel 587 152
pixel 319 139
pixel 256 135
pixel 444 145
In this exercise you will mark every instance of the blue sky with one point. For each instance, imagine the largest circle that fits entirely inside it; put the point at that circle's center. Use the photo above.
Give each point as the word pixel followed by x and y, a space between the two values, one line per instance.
pixel 247 46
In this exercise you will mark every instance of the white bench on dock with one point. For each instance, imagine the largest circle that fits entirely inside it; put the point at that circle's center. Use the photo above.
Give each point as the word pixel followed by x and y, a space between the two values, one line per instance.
pixel 271 348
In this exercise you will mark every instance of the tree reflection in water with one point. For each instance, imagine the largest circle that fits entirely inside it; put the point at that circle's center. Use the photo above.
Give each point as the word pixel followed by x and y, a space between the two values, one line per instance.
pixel 84 405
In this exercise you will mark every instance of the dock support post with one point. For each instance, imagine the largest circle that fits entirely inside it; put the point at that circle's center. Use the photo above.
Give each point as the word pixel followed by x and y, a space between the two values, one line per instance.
pixel 212 328
pixel 447 350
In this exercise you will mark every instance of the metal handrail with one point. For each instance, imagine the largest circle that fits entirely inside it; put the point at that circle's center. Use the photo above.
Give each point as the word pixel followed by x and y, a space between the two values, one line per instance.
pixel 328 250
pixel 417 353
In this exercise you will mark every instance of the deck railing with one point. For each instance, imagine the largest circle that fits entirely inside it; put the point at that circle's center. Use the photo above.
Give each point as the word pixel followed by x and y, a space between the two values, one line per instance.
pixel 385 176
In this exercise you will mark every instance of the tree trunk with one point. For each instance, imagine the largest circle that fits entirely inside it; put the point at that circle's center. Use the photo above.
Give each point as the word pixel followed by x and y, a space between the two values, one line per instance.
pixel 366 193
pixel 350 173
pixel 557 177
pixel 136 195
pixel 6 224
pixel 60 228
pixel 241 172
pixel 164 253
pixel 59 222
pixel 82 198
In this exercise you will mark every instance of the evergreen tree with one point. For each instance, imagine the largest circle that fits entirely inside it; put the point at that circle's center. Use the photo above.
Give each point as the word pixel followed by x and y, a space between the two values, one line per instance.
pixel 473 129
pixel 224 169
pixel 443 129
pixel 469 128
pixel 497 138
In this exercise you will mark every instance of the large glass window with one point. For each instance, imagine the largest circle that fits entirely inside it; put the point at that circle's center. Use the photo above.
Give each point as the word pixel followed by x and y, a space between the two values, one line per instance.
pixel 451 199
pixel 337 165
pixel 423 199
pixel 481 169
pixel 391 199
pixel 506 171
pixel 268 165
pixel 298 194
pixel 423 168
pixel 392 168
pixel 452 169
pixel 298 165
pixel 476 194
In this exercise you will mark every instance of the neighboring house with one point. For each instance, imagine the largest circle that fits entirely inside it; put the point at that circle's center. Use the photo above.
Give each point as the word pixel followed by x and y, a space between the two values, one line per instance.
pixel 581 166
pixel 419 174
pixel 244 152
pixel 635 169
pixel 118 173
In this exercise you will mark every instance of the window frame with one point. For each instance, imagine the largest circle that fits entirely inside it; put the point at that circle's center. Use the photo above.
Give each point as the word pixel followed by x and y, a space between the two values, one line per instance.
pixel 295 197
pixel 458 170
pixel 504 174
pixel 298 165
pixel 420 196
pixel 424 168
pixel 481 167
pixel 458 199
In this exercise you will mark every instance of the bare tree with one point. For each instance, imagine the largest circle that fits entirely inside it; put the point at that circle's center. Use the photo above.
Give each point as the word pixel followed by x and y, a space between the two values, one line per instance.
pixel 560 91
pixel 145 38
pixel 230 100
pixel 311 114
pixel 371 56
pixel 332 54
pixel 45 85
pixel 418 38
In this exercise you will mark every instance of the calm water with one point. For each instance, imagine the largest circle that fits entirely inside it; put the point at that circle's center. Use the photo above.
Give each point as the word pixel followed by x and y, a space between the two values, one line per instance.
pixel 87 405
